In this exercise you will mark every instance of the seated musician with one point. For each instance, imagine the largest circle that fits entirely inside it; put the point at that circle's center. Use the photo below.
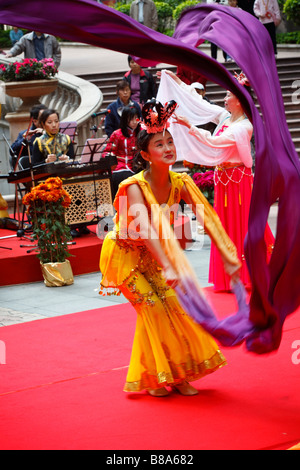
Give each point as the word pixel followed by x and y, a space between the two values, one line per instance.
pixel 31 134
pixel 52 145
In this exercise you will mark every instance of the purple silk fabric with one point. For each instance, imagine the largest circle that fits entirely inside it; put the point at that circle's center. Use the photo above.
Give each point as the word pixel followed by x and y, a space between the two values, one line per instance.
pixel 276 291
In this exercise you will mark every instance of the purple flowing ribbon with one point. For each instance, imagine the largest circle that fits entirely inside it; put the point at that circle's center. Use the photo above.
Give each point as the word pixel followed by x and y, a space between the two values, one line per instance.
pixel 275 287
pixel 231 331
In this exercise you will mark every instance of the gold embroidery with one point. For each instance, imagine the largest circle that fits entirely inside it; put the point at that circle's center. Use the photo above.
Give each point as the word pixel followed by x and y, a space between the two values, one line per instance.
pixel 179 372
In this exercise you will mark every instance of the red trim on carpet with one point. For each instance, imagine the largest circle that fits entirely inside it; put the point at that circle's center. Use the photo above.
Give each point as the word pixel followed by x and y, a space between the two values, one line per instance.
pixel 61 388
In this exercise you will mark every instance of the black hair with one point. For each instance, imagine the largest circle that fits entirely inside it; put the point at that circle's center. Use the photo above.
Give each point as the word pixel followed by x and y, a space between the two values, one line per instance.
pixel 142 142
pixel 122 84
pixel 128 113
pixel 35 110
pixel 46 114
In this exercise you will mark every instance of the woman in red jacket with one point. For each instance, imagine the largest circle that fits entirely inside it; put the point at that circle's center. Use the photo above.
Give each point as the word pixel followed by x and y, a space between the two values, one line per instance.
pixel 122 143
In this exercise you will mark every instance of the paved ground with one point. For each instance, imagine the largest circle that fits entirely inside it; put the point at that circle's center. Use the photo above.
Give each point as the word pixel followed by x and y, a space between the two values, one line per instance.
pixel 29 302
pixel 87 59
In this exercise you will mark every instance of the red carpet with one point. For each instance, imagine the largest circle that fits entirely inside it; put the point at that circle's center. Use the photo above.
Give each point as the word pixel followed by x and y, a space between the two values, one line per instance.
pixel 19 267
pixel 61 388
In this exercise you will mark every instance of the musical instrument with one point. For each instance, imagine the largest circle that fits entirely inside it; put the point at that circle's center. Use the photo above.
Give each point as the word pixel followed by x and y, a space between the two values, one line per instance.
pixel 62 169
pixel 89 185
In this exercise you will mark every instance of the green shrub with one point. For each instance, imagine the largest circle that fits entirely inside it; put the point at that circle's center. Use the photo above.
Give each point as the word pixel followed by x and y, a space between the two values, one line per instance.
pixel 183 6
pixel 291 9
pixel 165 14
pixel 123 8
pixel 288 38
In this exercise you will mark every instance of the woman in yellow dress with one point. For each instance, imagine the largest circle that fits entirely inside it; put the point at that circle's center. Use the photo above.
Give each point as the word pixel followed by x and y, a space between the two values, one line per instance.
pixel 142 259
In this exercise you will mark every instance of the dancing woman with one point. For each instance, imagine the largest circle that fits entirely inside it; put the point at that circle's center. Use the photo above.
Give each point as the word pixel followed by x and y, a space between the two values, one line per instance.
pixel 142 259
pixel 228 150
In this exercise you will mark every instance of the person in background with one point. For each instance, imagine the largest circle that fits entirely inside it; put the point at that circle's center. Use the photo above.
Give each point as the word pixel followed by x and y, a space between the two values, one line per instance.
pixel 30 136
pixel 122 144
pixel 213 47
pixel 15 35
pixel 145 12
pixel 228 150
pixel 36 45
pixel 141 82
pixel 246 5
pixel 115 109
pixel 268 13
pixel 188 76
pixel 52 145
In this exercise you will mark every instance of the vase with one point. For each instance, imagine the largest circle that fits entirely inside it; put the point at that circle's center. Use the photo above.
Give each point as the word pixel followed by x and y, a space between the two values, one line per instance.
pixel 30 91
pixel 57 274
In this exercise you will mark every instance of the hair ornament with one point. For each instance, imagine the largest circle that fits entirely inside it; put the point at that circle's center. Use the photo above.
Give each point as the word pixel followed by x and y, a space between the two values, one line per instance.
pixel 156 116
pixel 241 78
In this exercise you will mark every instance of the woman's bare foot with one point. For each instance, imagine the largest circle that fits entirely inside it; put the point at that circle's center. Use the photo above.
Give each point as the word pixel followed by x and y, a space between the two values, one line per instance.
pixel 184 388
pixel 158 392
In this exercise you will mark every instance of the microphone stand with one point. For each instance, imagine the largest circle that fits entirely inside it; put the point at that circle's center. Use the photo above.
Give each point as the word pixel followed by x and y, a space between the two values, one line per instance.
pixel 20 232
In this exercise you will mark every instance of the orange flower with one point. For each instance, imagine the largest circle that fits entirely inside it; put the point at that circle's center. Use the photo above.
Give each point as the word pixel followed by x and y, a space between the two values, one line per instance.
pixel 188 164
pixel 49 191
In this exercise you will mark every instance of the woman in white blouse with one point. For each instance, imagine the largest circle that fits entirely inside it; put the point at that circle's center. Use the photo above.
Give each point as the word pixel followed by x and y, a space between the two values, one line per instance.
pixel 268 13
pixel 228 149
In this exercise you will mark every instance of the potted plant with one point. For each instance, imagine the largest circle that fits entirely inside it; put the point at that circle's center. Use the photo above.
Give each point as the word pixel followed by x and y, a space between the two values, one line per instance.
pixel 29 79
pixel 46 207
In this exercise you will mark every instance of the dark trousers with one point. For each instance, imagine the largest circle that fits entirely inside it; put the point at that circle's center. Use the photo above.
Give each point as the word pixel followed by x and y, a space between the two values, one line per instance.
pixel 214 51
pixel 272 31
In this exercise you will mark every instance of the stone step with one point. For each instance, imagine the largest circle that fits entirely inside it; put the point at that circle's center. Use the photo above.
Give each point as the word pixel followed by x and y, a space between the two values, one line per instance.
pixel 288 74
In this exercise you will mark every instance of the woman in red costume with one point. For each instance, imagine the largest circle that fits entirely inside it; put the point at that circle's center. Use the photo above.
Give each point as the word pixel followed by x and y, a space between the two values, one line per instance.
pixel 228 150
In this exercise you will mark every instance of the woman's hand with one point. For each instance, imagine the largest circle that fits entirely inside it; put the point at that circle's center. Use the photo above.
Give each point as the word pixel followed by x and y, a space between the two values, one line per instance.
pixel 64 158
pixel 170 276
pixel 236 276
pixel 182 120
pixel 51 158
pixel 170 73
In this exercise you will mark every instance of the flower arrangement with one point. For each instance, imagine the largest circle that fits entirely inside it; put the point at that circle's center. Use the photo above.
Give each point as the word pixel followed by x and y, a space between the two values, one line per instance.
pixel 203 177
pixel 205 182
pixel 46 207
pixel 28 69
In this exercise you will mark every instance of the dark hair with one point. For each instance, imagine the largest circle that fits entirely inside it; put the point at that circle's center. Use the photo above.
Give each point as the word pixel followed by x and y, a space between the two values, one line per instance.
pixel 142 142
pixel 128 113
pixel 35 110
pixel 122 84
pixel 129 58
pixel 46 114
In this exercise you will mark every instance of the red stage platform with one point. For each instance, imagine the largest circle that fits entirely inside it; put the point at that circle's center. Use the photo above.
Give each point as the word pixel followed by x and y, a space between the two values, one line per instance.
pixel 19 267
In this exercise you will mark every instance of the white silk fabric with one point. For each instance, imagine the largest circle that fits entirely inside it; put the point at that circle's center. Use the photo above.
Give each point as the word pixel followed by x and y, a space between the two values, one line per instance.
pixel 198 145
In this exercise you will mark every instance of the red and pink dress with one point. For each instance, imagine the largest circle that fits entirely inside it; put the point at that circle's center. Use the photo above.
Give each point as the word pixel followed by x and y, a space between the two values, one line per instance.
pixel 233 179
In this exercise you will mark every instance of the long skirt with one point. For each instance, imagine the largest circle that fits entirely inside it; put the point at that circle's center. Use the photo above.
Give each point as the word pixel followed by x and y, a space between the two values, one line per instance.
pixel 233 188
pixel 168 347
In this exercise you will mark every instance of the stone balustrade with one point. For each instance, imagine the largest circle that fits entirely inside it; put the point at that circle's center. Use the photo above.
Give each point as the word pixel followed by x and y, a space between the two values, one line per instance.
pixel 75 99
